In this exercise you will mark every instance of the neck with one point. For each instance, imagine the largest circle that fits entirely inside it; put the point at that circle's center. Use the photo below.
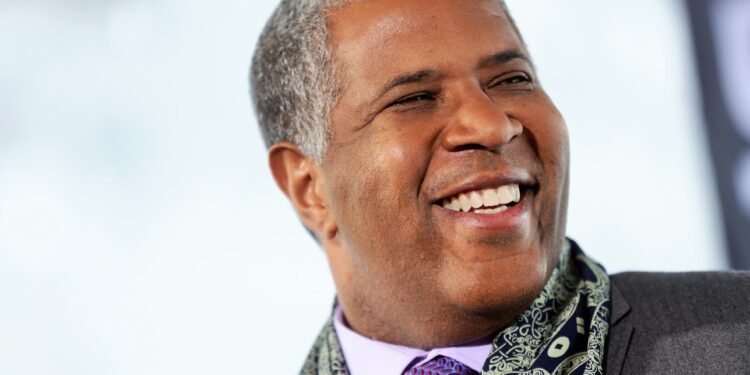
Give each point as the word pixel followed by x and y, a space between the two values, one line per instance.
pixel 428 327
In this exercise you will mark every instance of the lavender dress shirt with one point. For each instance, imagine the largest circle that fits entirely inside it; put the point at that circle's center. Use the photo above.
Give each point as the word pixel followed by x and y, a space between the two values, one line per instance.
pixel 365 356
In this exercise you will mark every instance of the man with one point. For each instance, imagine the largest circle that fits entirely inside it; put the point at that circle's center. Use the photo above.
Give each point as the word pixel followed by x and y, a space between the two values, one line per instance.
pixel 415 142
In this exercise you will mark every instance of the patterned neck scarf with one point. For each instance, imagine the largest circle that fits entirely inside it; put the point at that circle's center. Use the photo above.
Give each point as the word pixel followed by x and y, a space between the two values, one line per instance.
pixel 564 329
pixel 562 332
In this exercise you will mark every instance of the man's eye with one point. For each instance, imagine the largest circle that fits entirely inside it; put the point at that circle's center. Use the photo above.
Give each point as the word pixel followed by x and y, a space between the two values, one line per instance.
pixel 516 79
pixel 420 97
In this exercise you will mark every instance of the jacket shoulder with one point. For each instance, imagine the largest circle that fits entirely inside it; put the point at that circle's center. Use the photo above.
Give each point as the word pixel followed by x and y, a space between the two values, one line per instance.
pixel 676 323
pixel 698 295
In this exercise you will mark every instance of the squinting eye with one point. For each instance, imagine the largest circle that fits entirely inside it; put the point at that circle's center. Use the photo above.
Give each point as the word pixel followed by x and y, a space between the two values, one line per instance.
pixel 517 79
pixel 413 99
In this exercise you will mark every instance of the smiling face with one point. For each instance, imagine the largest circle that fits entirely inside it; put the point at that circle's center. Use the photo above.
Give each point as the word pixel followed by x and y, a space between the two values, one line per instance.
pixel 446 175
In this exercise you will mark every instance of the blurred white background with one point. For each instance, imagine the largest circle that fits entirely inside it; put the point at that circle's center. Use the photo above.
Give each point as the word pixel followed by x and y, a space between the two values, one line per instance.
pixel 141 232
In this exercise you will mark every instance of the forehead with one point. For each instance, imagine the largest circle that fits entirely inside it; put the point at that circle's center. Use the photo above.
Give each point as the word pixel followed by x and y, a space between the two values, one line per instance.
pixel 380 36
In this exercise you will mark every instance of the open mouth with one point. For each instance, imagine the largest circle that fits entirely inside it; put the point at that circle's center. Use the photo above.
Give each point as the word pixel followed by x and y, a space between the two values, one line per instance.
pixel 486 201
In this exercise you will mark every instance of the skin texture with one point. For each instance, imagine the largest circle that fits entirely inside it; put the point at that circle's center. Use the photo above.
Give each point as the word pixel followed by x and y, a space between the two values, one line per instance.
pixel 408 271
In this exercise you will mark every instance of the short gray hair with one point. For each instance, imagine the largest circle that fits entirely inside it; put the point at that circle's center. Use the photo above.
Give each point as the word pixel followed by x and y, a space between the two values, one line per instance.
pixel 293 78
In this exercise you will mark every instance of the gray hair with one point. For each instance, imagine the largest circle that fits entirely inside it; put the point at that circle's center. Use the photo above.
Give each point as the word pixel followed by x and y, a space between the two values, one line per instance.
pixel 293 77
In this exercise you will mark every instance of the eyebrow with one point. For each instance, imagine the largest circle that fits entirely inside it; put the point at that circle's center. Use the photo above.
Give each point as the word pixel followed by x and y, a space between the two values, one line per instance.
pixel 408 78
pixel 503 57
pixel 423 75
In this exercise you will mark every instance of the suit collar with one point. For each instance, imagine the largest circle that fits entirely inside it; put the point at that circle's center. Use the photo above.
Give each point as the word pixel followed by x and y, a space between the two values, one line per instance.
pixel 620 331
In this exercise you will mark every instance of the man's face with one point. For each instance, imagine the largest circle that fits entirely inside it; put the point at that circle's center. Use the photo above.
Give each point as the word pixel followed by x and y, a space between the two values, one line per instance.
pixel 440 103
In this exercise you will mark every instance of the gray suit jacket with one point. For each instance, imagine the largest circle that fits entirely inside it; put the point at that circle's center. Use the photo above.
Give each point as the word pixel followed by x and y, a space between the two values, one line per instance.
pixel 679 323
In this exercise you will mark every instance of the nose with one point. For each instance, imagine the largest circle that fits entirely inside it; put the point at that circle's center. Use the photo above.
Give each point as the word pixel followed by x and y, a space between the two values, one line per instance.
pixel 480 122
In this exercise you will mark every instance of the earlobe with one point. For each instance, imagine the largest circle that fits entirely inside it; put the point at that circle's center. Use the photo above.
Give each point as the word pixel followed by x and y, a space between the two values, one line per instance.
pixel 301 180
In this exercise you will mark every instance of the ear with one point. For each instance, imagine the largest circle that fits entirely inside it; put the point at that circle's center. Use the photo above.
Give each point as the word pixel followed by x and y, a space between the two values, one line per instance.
pixel 302 181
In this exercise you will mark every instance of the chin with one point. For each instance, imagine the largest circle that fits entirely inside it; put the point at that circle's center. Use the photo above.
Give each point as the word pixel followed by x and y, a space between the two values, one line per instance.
pixel 502 288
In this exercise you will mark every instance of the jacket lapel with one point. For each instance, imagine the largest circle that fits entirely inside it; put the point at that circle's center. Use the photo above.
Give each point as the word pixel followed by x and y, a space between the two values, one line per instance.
pixel 620 331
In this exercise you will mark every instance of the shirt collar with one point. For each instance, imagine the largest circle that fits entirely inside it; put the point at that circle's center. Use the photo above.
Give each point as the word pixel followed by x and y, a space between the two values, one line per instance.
pixel 365 356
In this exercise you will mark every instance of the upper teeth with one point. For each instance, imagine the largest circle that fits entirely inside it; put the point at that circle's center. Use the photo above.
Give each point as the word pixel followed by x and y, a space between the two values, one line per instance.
pixel 484 198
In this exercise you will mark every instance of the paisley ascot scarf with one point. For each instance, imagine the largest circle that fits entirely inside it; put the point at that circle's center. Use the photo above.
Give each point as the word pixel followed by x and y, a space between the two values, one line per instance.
pixel 563 332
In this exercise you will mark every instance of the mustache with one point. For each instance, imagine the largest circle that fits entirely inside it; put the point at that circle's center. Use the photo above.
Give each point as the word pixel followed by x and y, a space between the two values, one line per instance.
pixel 474 167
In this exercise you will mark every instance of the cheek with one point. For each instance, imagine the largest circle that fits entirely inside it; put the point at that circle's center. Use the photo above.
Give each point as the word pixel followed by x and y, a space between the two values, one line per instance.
pixel 377 183
pixel 387 155
pixel 558 137
pixel 554 153
pixel 559 158
pixel 377 205
pixel 550 138
pixel 395 160
pixel 553 149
